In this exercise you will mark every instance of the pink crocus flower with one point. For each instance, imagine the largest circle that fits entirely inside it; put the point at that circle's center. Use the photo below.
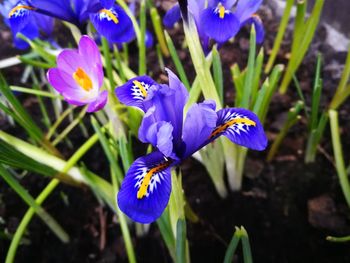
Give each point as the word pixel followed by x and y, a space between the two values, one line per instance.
pixel 79 75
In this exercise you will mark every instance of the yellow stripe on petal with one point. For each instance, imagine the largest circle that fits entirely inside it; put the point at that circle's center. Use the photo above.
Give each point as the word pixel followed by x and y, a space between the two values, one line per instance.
pixel 82 79
pixel 226 125
pixel 147 179
pixel 19 7
pixel 110 14
pixel 222 11
pixel 142 89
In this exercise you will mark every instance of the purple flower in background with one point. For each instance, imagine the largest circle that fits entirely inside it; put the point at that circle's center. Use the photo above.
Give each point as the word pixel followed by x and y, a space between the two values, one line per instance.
pixel 146 189
pixel 220 19
pixel 34 25
pixel 79 76
pixel 109 19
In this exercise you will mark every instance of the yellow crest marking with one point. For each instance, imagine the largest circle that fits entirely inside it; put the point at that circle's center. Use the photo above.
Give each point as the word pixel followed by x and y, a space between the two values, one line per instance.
pixel 110 15
pixel 82 79
pixel 224 126
pixel 221 11
pixel 147 179
pixel 19 7
pixel 142 89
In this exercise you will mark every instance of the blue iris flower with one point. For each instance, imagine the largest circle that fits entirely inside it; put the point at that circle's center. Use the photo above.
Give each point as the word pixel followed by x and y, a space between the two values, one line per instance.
pixel 34 25
pixel 109 19
pixel 219 20
pixel 146 189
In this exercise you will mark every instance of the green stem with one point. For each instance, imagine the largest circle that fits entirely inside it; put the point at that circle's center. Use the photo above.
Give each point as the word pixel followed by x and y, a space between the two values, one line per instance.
pixel 70 127
pixel 338 239
pixel 108 62
pixel 142 42
pixel 42 197
pixel 158 29
pixel 200 64
pixel 338 155
pixel 281 30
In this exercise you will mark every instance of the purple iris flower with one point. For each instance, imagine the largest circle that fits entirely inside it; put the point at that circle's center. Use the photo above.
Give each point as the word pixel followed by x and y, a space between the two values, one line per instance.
pixel 109 19
pixel 146 189
pixel 79 76
pixel 220 20
pixel 34 25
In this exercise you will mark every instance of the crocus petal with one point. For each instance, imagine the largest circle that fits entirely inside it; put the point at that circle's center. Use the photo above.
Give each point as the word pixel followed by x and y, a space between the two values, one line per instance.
pixel 60 80
pixel 146 189
pixel 20 15
pixel 67 87
pixel 172 16
pixel 246 8
pixel 219 28
pixel 99 103
pixel 90 52
pixel 114 24
pixel 70 60
pixel 242 127
pixel 135 91
pixel 199 123
pixel 259 27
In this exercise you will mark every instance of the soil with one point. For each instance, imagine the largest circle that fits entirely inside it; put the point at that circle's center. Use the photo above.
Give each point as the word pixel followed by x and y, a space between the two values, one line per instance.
pixel 287 207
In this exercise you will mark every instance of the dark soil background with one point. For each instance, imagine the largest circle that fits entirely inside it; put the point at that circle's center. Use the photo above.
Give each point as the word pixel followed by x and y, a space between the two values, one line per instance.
pixel 287 207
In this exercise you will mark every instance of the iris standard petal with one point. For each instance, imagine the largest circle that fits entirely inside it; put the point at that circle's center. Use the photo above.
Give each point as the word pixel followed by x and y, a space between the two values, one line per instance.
pixel 246 8
pixel 242 127
pixel 157 133
pixel 146 189
pixel 228 4
pixel 200 121
pixel 99 103
pixel 169 101
pixel 135 91
pixel 114 24
pixel 172 16
pixel 219 25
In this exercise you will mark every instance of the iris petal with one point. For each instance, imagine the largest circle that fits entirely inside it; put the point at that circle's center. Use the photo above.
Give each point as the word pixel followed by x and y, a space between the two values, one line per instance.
pixel 172 16
pixel 19 16
pixel 199 123
pixel 259 27
pixel 135 91
pixel 61 9
pixel 157 133
pixel 146 189
pixel 31 31
pixel 107 3
pixel 242 127
pixel 246 8
pixel 220 28
pixel 114 24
